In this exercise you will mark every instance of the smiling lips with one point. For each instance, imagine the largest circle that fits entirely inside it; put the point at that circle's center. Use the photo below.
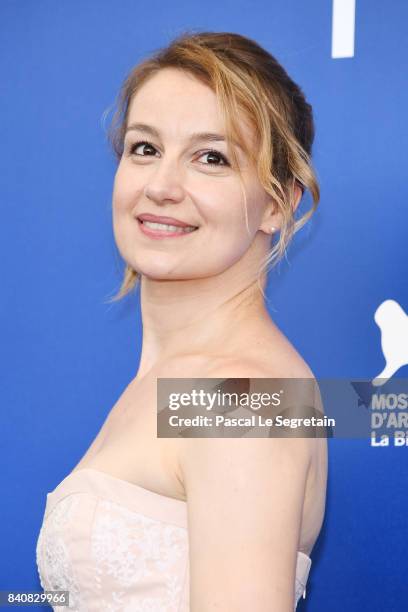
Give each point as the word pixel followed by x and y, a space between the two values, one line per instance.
pixel 163 227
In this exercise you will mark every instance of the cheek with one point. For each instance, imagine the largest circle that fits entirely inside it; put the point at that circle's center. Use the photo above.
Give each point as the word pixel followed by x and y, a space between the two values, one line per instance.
pixel 126 191
pixel 124 198
pixel 221 205
pixel 232 222
pixel 225 236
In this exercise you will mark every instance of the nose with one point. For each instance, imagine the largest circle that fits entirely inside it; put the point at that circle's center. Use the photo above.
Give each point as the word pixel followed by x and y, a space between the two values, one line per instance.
pixel 164 184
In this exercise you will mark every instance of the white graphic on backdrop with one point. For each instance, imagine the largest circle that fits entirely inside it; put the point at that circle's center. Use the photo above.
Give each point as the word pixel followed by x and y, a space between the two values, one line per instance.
pixel 393 323
pixel 343 26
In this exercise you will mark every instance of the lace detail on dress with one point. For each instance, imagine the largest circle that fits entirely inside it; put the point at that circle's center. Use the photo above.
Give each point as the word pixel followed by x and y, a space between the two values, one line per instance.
pixel 52 550
pixel 130 549
pixel 117 547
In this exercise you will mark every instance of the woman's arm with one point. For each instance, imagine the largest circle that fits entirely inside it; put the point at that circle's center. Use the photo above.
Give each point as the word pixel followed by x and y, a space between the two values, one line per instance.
pixel 245 500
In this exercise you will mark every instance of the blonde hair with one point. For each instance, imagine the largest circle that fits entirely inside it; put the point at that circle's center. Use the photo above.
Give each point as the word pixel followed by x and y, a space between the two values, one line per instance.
pixel 246 78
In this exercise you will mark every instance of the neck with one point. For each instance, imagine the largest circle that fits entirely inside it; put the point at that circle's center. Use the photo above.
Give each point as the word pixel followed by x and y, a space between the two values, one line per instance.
pixel 205 315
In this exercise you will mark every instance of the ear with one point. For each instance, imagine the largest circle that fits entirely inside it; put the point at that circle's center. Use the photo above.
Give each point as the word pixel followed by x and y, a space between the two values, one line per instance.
pixel 272 218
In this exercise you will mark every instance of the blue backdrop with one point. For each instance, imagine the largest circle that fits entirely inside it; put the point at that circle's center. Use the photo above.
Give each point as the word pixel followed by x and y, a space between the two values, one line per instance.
pixel 67 356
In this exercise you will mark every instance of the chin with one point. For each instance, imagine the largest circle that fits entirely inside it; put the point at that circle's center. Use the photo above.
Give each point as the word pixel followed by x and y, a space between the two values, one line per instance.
pixel 160 273
pixel 156 268
pixel 154 273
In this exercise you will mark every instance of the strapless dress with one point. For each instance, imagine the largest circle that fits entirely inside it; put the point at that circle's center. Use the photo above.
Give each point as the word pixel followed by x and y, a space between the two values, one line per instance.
pixel 118 547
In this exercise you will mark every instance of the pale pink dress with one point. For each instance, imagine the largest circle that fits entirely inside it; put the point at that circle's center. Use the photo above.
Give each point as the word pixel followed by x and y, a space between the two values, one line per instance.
pixel 117 547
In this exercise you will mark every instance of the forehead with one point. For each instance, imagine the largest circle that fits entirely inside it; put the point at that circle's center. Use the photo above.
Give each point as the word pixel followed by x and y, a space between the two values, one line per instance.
pixel 177 103
pixel 177 97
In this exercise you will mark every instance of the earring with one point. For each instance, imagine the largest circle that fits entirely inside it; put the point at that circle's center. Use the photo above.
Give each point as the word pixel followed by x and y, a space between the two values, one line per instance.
pixel 273 229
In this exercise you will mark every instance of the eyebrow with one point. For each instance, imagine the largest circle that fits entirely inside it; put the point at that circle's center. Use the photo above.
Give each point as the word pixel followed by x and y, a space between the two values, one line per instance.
pixel 195 137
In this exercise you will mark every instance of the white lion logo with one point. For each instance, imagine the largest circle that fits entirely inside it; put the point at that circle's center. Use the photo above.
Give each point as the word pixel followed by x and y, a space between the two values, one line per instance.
pixel 393 323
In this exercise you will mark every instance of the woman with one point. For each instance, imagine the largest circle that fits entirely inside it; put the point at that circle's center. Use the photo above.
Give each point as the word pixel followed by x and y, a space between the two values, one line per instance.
pixel 213 140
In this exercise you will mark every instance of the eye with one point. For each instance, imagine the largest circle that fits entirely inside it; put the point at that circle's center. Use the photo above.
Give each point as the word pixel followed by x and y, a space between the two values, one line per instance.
pixel 214 158
pixel 146 149
pixel 143 148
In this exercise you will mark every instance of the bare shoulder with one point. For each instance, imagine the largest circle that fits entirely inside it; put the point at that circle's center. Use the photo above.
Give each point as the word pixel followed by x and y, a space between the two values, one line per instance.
pixel 232 475
pixel 196 450
pixel 245 501
pixel 290 365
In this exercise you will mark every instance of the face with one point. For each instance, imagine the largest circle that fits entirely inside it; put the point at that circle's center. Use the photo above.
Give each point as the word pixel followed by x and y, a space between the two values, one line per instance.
pixel 174 167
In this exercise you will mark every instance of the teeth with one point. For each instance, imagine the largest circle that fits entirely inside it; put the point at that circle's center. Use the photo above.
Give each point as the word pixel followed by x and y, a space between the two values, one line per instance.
pixel 168 228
